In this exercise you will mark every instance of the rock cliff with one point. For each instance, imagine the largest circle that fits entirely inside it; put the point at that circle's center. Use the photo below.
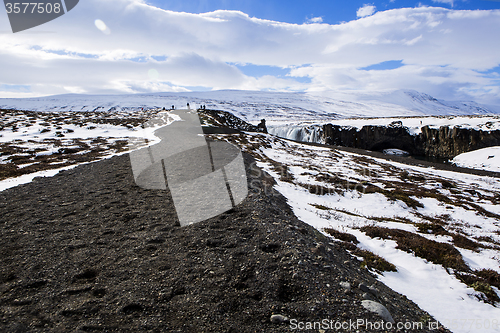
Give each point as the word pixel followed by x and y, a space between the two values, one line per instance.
pixel 443 142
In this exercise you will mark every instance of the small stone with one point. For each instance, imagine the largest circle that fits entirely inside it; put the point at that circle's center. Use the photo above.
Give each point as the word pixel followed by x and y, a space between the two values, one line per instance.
pixel 379 309
pixel 278 319
pixel 374 291
pixel 318 249
pixel 345 285
pixel 364 288
pixel 368 296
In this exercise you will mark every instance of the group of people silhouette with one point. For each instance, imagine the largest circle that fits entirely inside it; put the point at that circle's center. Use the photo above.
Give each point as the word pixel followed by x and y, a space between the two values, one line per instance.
pixel 202 107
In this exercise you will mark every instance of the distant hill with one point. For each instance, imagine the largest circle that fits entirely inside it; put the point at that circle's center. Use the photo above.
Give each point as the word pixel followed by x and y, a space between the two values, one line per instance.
pixel 274 106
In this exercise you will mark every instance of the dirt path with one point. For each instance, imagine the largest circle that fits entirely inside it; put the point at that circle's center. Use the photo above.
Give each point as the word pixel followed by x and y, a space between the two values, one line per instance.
pixel 89 251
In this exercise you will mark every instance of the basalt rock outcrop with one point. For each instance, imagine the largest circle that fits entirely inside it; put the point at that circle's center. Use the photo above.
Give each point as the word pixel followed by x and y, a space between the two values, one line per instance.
pixel 370 137
pixel 443 142
pixel 447 142
pixel 217 121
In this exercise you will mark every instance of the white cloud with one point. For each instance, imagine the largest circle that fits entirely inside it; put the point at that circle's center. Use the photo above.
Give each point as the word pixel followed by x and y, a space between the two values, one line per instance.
pixel 449 2
pixel 318 19
pixel 366 10
pixel 413 41
pixel 443 51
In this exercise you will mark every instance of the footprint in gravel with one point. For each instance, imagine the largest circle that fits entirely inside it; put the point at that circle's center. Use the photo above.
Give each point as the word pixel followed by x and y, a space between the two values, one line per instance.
pixel 88 275
pixel 36 284
pixel 70 313
pixel 108 232
pixel 77 291
pixel 248 232
pixel 99 293
pixel 156 240
pixel 213 242
pixel 270 248
pixel 9 277
pixel 164 268
pixel 132 308
pixel 150 248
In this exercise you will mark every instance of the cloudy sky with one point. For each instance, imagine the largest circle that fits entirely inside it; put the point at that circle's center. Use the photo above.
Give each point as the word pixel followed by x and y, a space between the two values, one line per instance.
pixel 446 48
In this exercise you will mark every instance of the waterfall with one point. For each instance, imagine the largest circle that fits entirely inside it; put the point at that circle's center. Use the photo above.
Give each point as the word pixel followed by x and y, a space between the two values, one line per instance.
pixel 309 133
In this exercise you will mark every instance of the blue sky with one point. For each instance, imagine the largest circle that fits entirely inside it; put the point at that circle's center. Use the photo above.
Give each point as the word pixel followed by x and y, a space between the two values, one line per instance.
pixel 445 48
pixel 298 11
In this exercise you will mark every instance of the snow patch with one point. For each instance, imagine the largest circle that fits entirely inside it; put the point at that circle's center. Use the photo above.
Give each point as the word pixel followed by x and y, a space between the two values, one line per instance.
pixel 484 159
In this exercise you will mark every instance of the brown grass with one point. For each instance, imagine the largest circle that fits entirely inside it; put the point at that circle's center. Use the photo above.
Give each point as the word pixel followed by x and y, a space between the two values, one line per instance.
pixel 16 156
pixel 435 229
pixel 465 243
pixel 490 276
pixel 391 219
pixel 438 253
pixel 344 236
pixel 483 211
pixel 282 170
pixel 443 219
pixel 482 281
pixel 487 239
pixel 447 184
pixel 402 196
pixel 321 207
pixel 340 183
pixel 375 262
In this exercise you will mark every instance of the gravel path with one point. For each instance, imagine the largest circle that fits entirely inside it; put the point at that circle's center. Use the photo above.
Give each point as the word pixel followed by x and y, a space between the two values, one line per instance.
pixel 89 251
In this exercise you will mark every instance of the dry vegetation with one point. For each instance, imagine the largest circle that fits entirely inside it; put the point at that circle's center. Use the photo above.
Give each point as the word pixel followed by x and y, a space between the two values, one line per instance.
pixel 364 176
pixel 370 259
pixel 20 157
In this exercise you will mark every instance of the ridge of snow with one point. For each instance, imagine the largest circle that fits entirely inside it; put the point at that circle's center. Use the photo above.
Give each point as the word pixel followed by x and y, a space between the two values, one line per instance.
pixel 274 106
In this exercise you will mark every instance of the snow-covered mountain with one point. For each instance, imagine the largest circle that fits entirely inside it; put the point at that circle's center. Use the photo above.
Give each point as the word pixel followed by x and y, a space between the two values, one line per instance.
pixel 276 107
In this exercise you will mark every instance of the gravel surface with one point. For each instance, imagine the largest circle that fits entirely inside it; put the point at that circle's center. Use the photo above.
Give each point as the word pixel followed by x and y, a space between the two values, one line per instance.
pixel 89 251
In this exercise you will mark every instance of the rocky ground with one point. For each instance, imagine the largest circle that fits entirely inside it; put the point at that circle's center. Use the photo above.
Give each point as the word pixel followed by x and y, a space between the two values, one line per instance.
pixel 89 251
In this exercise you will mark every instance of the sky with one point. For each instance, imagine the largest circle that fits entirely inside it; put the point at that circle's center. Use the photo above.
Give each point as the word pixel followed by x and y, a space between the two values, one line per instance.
pixel 446 48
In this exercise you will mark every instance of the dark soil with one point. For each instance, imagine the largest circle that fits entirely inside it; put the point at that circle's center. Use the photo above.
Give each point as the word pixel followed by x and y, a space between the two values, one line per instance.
pixel 89 251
